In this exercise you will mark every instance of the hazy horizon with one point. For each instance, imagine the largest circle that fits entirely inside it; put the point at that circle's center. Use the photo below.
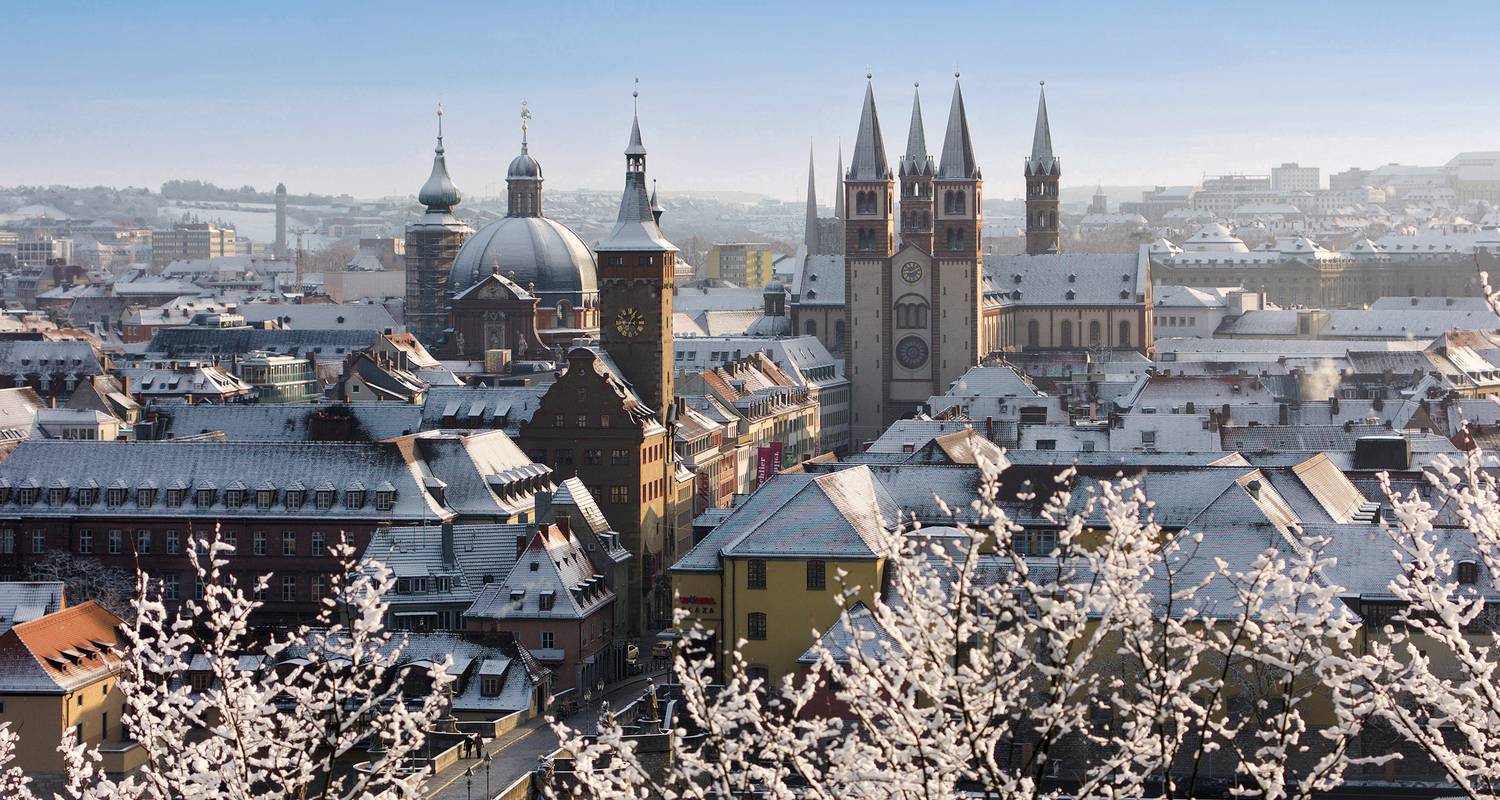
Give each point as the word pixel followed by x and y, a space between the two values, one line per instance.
pixel 334 103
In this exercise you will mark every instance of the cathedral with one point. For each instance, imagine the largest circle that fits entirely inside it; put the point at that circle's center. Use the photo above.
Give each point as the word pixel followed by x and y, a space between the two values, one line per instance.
pixel 911 300
pixel 914 270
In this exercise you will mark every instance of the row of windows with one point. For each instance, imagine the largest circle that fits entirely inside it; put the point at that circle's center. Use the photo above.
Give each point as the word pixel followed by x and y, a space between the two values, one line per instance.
pixel 203 497
pixel 816 573
pixel 288 589
pixel 1065 334
pixel 145 541
pixel 580 420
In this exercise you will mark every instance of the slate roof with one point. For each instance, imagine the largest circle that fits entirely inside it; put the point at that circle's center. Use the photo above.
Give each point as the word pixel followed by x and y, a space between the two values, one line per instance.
pixel 1094 279
pixel 844 514
pixel 285 422
pixel 205 464
pixel 485 473
pixel 553 578
pixel 480 551
pixel 321 316
pixel 472 407
pixel 1000 380
pixel 821 282
pixel 1313 438
pixel 24 357
pixel 23 601
pixel 198 341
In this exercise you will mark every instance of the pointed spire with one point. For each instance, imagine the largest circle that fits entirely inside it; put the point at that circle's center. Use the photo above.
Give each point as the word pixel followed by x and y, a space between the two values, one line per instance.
pixel 958 147
pixel 438 193
pixel 635 148
pixel 1042 159
pixel 810 229
pixel 635 228
pixel 838 185
pixel 869 163
pixel 915 161
pixel 657 209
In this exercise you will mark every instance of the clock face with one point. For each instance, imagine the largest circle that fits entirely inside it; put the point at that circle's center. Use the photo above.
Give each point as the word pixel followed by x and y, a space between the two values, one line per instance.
pixel 911 272
pixel 911 352
pixel 629 322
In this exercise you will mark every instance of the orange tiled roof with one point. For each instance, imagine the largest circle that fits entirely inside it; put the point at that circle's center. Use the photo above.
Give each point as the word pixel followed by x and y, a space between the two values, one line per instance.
pixel 60 651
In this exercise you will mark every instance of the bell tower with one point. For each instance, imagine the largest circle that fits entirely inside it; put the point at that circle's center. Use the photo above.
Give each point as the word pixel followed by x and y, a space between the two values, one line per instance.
pixel 1043 233
pixel 636 268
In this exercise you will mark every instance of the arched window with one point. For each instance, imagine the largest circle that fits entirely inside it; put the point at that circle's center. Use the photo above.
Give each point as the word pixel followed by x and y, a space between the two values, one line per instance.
pixel 958 202
pixel 1094 332
pixel 911 312
pixel 811 327
pixel 948 202
pixel 1033 334
pixel 1065 334
pixel 1124 334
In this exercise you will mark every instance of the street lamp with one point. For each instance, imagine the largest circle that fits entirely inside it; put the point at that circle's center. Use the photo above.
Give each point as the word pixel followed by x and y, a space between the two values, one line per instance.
pixel 489 760
pixel 469 782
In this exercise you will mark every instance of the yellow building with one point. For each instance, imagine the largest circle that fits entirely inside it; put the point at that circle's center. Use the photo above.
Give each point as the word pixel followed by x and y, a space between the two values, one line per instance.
pixel 747 264
pixel 769 575
pixel 59 678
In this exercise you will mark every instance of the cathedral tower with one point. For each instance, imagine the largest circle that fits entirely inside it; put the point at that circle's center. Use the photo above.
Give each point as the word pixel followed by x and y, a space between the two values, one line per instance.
pixel 869 242
pixel 1043 234
pixel 957 297
pixel 636 269
pixel 916 183
pixel 432 243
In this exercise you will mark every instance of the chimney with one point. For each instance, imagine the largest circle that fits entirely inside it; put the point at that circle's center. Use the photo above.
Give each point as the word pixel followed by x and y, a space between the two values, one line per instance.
pixel 564 522
pixel 449 556
pixel 1253 487
pixel 1333 405
pixel 1283 416
pixel 989 428
pixel 520 544
pixel 1191 408
pixel 1224 414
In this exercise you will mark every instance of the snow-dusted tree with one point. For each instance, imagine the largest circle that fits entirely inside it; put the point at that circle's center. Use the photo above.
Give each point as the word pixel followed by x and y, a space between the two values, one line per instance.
pixel 1434 665
pixel 287 726
pixel 85 578
pixel 1130 662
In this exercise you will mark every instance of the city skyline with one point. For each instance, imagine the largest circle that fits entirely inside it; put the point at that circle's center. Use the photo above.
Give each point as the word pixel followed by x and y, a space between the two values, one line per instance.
pixel 1160 95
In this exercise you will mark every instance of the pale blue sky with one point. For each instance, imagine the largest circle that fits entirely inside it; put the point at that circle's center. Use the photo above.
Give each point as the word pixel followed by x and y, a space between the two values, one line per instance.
pixel 334 97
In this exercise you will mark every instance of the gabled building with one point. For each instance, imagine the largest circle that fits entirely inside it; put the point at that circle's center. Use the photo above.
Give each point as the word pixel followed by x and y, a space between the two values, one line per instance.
pixel 557 604
pixel 60 675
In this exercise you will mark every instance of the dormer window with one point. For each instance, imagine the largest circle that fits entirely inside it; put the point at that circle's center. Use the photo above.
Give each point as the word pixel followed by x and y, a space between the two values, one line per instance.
pixel 145 496
pixel 29 495
pixel 114 497
pixel 86 496
pixel 354 498
pixel 323 499
pixel 385 499
pixel 234 498
pixel 176 497
pixel 264 498
pixel 296 498
pixel 57 495
pixel 205 497
pixel 1468 572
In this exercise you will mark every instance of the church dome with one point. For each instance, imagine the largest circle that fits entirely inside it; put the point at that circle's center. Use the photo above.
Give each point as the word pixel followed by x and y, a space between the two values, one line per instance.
pixel 769 326
pixel 524 166
pixel 537 253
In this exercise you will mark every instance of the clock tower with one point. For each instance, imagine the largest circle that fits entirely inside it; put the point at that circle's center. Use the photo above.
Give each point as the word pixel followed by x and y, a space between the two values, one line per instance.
pixel 636 266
